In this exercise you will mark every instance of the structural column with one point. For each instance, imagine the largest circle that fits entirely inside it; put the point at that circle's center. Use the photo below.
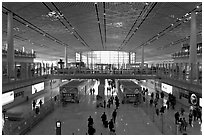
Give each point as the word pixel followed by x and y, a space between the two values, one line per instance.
pixel 193 47
pixel 135 57
pixel 129 57
pixel 142 61
pixel 87 59
pixel 118 61
pixel 66 57
pixel 10 49
pixel 101 88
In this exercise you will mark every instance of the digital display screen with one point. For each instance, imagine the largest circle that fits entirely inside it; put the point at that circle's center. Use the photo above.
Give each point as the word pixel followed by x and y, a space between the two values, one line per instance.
pixel 7 98
pixel 166 88
pixel 58 124
pixel 37 87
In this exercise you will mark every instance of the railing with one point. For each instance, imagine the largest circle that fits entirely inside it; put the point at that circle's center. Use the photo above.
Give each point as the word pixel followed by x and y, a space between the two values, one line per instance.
pixel 29 121
pixel 20 53
pixel 177 71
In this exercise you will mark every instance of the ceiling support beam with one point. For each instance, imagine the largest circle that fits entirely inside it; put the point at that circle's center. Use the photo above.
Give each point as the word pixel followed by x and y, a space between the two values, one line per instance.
pixel 10 46
pixel 99 26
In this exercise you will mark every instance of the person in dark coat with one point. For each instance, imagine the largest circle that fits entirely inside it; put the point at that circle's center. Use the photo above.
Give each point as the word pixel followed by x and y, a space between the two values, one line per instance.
pixel 90 121
pixel 40 102
pixel 91 130
pixel 104 103
pixel 111 125
pixel 104 118
pixel 34 103
pixel 177 115
pixel 114 114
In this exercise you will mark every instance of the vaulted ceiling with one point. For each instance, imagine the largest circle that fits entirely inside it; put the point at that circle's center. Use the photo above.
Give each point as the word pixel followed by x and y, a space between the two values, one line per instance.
pixel 87 26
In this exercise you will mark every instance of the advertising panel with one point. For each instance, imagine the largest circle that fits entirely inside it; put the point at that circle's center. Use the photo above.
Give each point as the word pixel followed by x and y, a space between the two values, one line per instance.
pixel 7 98
pixel 38 87
pixel 166 88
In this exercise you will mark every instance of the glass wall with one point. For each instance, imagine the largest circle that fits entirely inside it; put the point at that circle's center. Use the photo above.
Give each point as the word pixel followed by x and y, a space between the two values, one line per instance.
pixel 116 58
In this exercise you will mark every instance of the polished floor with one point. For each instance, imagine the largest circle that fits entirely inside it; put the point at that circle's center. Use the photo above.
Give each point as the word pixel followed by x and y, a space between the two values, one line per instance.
pixel 130 120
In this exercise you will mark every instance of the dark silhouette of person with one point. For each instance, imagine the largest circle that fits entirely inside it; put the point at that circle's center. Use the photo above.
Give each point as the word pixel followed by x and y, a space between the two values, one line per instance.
pixel 177 115
pixel 104 103
pixel 40 102
pixel 111 125
pixel 90 121
pixel 34 103
pixel 91 130
pixel 114 114
pixel 104 119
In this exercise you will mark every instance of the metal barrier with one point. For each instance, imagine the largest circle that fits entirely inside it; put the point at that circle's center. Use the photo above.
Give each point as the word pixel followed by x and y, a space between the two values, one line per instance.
pixel 30 120
pixel 186 72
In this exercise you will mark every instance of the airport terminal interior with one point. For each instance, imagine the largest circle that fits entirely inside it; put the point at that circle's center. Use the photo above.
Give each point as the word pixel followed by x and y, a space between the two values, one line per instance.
pixel 101 68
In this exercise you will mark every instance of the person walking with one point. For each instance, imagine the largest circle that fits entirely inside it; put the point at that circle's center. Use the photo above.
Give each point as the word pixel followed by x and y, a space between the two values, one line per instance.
pixel 34 103
pixel 114 114
pixel 104 119
pixel 177 115
pixel 104 103
pixel 40 103
pixel 111 125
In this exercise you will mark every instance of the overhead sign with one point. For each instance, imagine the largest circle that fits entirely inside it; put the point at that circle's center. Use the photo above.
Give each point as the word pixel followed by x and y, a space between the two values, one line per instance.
pixel 166 88
pixel 7 98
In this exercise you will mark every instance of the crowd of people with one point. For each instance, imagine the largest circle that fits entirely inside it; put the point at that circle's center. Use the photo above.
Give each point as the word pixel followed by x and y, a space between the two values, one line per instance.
pixel 107 124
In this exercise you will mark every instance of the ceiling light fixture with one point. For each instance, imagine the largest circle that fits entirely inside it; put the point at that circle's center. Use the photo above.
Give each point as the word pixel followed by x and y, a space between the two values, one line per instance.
pixel 197 7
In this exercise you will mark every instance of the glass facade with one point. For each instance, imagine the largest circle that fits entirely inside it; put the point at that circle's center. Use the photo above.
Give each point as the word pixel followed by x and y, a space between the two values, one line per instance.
pixel 116 58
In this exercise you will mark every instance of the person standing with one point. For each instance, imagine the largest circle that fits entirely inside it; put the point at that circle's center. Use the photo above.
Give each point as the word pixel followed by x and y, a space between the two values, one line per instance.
pixel 34 103
pixel 114 114
pixel 177 115
pixel 104 103
pixel 190 118
pixel 90 121
pixel 40 103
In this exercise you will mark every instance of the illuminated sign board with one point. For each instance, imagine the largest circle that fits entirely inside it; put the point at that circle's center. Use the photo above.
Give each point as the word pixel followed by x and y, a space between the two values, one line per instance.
pixel 166 88
pixel 7 98
pixel 37 87
pixel 193 99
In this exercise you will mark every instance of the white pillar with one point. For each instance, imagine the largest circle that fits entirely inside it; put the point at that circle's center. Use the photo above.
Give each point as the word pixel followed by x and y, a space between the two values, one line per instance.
pixel 135 57
pixel 193 46
pixel 66 66
pixel 142 62
pixel 129 58
pixel 10 51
